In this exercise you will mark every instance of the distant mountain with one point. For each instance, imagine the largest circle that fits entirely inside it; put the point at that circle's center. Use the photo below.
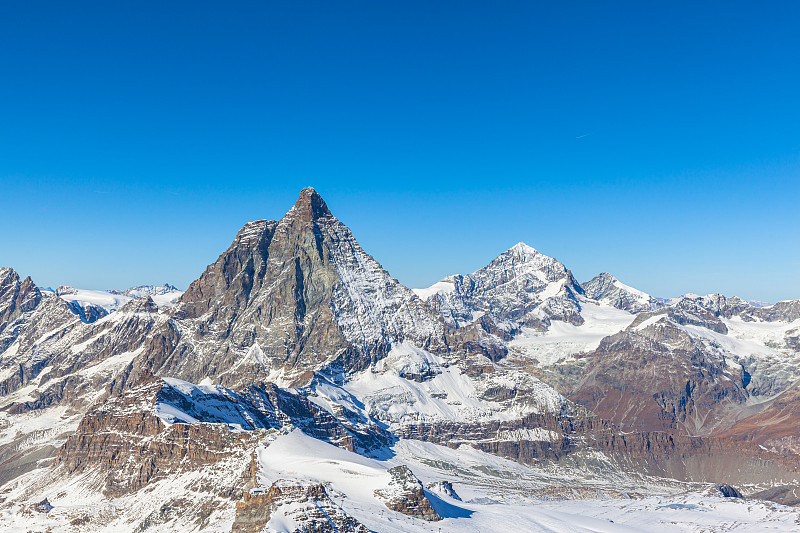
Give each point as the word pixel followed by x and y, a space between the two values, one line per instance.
pixel 521 286
pixel 147 290
pixel 607 289
pixel 92 305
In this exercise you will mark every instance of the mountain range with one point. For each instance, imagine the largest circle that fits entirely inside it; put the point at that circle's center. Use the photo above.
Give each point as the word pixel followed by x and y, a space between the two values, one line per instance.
pixel 297 386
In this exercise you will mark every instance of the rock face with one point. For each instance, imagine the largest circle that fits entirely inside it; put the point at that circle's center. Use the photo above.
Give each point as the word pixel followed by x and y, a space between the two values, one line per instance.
pixel 287 298
pixel 728 492
pixel 658 378
pixel 55 348
pixel 157 427
pixel 565 440
pixel 521 286
pixel 265 406
pixel 775 426
pixel 607 289
pixel 307 507
pixel 125 440
pixel 16 298
pixel 87 312
pixel 406 495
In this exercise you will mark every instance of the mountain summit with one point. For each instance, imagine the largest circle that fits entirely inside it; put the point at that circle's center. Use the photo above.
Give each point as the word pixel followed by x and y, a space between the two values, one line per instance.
pixel 309 205
pixel 520 285
pixel 289 297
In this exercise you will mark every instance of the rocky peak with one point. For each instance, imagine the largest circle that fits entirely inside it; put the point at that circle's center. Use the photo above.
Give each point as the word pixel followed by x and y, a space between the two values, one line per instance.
pixel 305 505
pixel 309 206
pixel 294 296
pixel 144 304
pixel 405 494
pixel 521 284
pixel 600 285
pixel 65 290
pixel 16 297
pixel 142 290
pixel 607 289
pixel 526 260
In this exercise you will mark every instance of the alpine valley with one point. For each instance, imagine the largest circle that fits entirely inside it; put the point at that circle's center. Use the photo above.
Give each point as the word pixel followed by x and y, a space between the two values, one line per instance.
pixel 296 386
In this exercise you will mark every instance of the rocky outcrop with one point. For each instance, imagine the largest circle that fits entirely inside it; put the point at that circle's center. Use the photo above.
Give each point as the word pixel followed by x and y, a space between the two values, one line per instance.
pixel 726 491
pixel 306 506
pixel 405 494
pixel 87 312
pixel 157 427
pixel 267 406
pixel 783 494
pixel 16 298
pixel 125 443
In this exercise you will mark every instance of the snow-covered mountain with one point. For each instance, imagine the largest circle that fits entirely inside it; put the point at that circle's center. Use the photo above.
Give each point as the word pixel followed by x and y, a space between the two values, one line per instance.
pixel 607 289
pixel 297 386
pixel 521 286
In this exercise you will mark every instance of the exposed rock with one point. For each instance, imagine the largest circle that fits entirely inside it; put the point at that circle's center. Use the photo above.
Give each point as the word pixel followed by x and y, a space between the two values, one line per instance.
pixel 775 426
pixel 147 290
pixel 87 312
pixel 607 289
pixel 44 506
pixel 159 427
pixel 405 494
pixel 306 506
pixel 782 494
pixel 536 438
pixel 16 298
pixel 728 492
pixel 659 378
pixel 444 488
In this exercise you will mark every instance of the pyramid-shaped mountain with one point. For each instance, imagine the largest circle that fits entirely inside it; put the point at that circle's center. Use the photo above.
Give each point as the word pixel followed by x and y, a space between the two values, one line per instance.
pixel 286 298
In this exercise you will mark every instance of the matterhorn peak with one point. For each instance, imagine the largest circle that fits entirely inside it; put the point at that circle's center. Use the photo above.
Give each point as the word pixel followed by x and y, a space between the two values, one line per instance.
pixel 309 206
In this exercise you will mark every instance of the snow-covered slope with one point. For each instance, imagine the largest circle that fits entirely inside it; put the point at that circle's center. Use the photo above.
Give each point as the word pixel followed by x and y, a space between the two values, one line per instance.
pixel 564 339
pixel 411 386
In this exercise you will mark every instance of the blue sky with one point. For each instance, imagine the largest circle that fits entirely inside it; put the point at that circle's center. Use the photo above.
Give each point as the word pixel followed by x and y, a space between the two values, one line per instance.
pixel 659 141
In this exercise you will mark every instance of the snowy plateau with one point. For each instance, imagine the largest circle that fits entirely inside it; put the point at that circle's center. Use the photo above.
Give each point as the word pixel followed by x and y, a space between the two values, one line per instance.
pixel 295 386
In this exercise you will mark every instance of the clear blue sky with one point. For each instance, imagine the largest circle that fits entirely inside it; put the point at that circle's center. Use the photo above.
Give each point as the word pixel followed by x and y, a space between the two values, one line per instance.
pixel 657 140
